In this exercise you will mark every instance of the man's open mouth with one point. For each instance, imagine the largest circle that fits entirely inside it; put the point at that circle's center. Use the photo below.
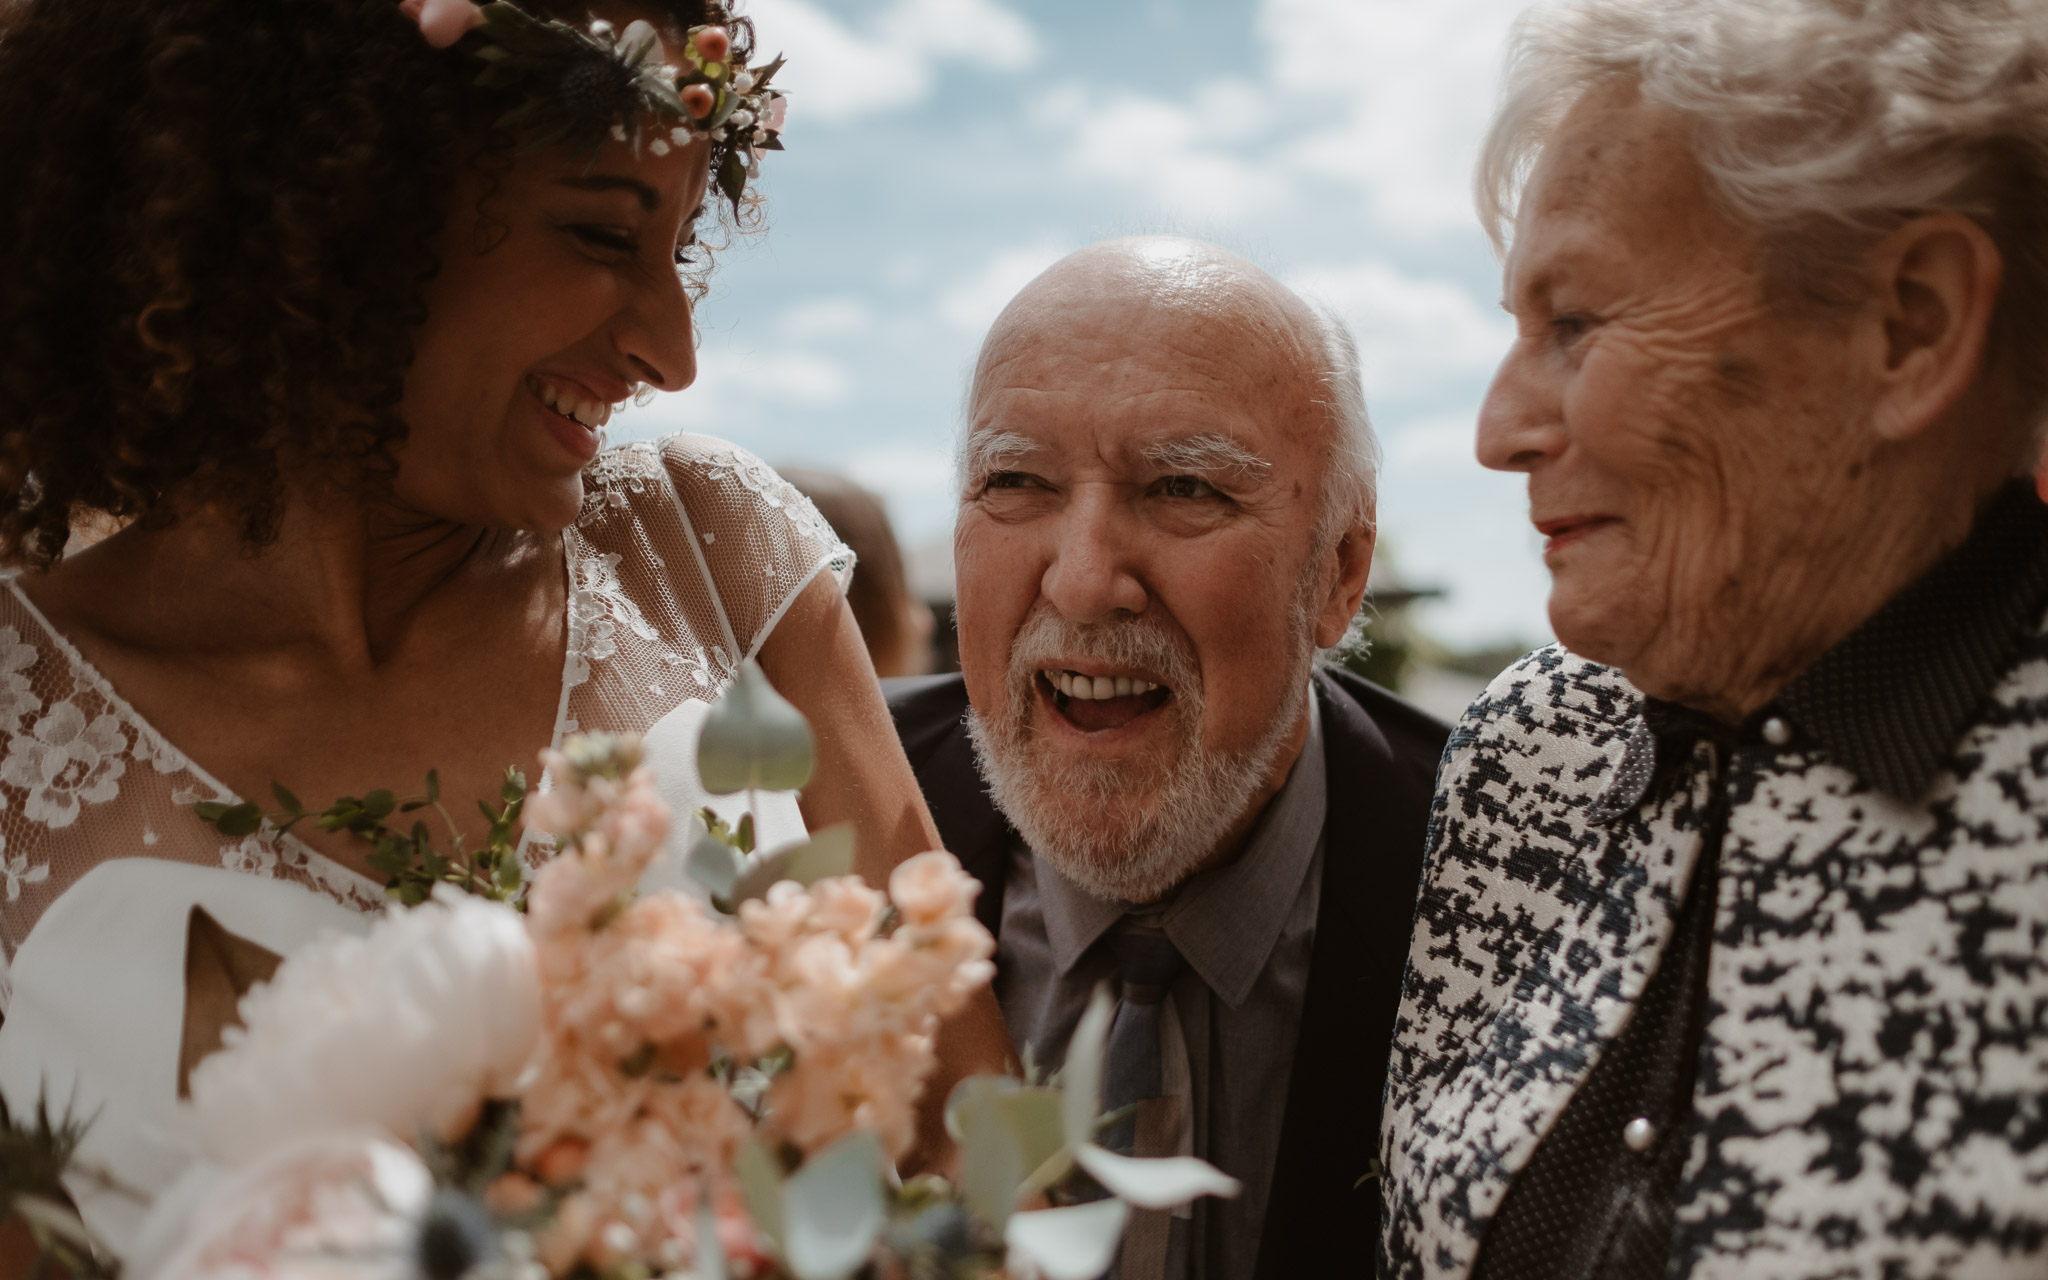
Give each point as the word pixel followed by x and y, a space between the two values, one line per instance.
pixel 1094 704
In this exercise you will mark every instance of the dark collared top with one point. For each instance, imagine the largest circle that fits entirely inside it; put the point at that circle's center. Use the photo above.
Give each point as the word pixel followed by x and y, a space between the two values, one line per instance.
pixel 1380 757
pixel 1888 702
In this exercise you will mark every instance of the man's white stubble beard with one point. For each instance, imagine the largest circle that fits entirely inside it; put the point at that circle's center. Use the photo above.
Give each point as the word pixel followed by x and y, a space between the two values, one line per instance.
pixel 1128 831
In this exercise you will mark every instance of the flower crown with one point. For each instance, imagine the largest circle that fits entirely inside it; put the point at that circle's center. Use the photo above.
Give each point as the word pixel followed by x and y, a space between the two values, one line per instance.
pixel 582 85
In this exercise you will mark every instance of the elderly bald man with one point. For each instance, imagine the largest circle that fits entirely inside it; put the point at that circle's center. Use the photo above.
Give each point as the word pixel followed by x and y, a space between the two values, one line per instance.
pixel 1166 508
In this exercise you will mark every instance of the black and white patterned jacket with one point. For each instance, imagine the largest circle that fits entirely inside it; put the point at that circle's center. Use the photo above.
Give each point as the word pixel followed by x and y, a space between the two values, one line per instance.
pixel 1872 1091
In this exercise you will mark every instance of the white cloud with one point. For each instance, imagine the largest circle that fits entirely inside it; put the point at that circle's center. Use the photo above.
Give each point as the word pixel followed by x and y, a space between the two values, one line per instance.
pixel 1406 88
pixel 1386 97
pixel 841 70
pixel 827 318
pixel 1181 157
pixel 1414 334
pixel 1441 442
pixel 975 301
pixel 915 480
pixel 1453 524
pixel 733 386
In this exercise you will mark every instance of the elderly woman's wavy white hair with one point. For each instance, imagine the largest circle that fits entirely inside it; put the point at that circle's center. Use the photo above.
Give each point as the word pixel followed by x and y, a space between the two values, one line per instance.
pixel 1823 123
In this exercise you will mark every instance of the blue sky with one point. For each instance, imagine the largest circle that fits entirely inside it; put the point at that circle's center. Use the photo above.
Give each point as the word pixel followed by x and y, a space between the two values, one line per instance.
pixel 942 152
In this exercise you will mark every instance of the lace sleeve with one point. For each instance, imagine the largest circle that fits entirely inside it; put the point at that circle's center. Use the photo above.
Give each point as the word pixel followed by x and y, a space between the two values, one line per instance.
pixel 762 541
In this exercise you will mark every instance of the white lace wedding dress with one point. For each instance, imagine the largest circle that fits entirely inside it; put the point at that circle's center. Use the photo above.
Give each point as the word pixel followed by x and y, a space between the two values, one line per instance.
pixel 687 553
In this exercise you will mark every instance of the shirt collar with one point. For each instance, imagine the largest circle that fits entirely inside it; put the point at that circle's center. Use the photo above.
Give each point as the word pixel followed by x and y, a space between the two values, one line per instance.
pixel 1890 700
pixel 1226 920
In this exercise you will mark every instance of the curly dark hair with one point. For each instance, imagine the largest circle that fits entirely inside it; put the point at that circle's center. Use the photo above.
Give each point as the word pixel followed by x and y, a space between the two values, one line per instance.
pixel 220 223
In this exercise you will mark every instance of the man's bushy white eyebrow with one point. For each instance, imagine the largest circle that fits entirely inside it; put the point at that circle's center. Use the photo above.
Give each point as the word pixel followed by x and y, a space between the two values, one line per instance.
pixel 986 452
pixel 1208 454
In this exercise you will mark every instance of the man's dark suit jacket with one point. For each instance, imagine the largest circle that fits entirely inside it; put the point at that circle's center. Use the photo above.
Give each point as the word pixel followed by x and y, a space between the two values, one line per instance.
pixel 1382 755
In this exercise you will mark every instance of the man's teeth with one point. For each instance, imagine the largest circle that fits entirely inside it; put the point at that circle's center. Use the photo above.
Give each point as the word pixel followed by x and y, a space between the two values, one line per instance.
pixel 1076 685
pixel 591 413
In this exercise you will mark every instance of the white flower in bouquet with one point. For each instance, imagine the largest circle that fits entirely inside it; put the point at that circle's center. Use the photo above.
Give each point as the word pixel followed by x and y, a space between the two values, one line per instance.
pixel 407 1027
pixel 339 1205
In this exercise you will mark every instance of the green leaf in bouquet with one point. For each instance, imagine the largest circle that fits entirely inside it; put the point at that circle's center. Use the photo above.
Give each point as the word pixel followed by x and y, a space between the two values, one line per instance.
pixel 1012 1142
pixel 285 799
pixel 761 1187
pixel 710 1249
pixel 828 853
pixel 1156 1184
pixel 1081 1081
pixel 834 1211
pixel 1034 1115
pixel 379 803
pixel 713 864
pixel 753 739
pixel 235 820
pixel 1077 1242
pixel 992 1163
pixel 47 1217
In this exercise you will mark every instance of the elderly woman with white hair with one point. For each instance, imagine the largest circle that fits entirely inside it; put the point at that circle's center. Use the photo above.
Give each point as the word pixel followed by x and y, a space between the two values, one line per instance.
pixel 1732 952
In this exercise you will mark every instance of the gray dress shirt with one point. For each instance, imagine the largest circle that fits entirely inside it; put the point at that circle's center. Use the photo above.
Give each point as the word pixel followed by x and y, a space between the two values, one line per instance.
pixel 1247 931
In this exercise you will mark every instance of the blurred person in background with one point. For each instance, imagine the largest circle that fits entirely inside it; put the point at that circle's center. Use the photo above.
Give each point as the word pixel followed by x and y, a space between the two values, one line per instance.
pixel 896 625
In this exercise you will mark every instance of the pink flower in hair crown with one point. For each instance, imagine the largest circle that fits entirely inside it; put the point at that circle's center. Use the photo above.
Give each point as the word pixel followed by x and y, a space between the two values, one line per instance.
pixel 443 22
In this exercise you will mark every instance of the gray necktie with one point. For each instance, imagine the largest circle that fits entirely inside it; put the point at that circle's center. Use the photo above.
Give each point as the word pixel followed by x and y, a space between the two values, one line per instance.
pixel 1147 962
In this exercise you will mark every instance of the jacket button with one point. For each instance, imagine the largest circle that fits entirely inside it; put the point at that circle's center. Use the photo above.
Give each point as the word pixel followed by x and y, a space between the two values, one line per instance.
pixel 1777 732
pixel 1639 1133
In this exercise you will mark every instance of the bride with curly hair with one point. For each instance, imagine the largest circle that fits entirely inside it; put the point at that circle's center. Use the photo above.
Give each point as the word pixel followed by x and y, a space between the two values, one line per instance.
pixel 325 304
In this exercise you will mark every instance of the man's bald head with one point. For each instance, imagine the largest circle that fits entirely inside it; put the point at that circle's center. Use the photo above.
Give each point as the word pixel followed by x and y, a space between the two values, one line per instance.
pixel 1234 329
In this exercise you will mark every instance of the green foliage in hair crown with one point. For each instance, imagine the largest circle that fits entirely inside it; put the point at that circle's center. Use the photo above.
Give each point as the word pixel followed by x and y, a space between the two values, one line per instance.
pixel 582 85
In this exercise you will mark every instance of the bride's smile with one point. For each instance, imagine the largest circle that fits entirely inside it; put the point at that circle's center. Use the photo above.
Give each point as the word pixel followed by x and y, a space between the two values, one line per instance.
pixel 559 294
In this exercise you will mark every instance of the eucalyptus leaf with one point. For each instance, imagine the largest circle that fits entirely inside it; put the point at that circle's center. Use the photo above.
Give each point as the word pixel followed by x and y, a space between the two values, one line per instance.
pixel 1081 1081
pixel 1074 1243
pixel 828 853
pixel 992 1162
pixel 710 1250
pixel 1156 1184
pixel 56 1220
pixel 713 864
pixel 236 820
pixel 835 1209
pixel 1034 1115
pixel 761 1187
pixel 753 739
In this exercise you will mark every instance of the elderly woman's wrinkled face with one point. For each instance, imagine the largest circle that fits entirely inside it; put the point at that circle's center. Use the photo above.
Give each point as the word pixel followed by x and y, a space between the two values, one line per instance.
pixel 1688 442
pixel 558 292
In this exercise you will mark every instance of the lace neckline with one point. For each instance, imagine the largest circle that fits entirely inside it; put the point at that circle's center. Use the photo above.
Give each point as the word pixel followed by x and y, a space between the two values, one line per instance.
pixel 87 673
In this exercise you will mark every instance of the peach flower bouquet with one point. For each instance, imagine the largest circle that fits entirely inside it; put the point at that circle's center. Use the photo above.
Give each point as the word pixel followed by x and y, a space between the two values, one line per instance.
pixel 623 1084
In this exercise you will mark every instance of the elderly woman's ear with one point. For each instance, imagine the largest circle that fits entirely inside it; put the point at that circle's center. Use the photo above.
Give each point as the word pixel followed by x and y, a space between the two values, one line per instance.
pixel 1929 322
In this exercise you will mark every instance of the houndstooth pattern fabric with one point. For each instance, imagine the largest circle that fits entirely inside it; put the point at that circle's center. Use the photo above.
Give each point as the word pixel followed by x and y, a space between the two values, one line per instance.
pixel 1873 1089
